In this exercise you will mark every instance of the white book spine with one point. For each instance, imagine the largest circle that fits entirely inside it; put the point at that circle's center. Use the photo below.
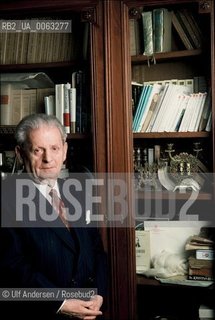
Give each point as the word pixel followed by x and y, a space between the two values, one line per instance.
pixel 155 90
pixel 16 101
pixel 180 112
pixel 209 123
pixel 205 254
pixel 201 108
pixel 172 107
pixel 188 114
pixel 66 113
pixel 196 106
pixel 49 102
pixel 157 109
pixel 72 106
pixel 59 101
pixel 159 122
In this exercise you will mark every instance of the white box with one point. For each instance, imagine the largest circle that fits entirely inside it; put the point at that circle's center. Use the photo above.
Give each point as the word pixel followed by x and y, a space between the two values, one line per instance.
pixel 171 236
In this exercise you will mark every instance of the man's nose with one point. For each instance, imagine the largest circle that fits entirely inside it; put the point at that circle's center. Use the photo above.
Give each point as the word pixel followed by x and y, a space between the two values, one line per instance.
pixel 47 156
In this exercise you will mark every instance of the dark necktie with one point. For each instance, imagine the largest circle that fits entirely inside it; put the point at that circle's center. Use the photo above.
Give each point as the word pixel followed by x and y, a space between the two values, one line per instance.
pixel 59 206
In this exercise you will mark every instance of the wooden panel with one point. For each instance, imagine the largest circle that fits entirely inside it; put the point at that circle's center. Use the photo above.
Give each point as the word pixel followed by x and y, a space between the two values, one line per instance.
pixel 47 5
pixel 119 149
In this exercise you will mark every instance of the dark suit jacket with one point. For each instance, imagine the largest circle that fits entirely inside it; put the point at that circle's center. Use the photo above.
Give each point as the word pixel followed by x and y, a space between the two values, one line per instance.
pixel 46 255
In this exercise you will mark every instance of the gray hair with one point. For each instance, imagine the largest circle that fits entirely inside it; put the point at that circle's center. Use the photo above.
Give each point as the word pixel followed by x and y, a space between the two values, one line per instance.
pixel 35 121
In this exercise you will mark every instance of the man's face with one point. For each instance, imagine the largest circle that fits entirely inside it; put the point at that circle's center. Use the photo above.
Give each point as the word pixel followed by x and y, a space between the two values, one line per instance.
pixel 46 153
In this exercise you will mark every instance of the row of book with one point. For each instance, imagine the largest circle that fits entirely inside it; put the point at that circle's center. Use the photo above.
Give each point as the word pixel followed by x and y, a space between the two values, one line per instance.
pixel 22 47
pixel 66 101
pixel 16 103
pixel 171 107
pixel 201 254
pixel 196 84
pixel 154 33
pixel 46 45
pixel 68 104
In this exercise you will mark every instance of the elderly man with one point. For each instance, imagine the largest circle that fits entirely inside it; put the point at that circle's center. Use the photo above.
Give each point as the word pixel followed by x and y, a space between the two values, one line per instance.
pixel 47 254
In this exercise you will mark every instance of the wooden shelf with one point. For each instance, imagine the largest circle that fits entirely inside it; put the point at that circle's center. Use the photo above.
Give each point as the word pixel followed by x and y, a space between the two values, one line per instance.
pixel 7 130
pixel 78 136
pixel 168 195
pixel 144 281
pixel 169 135
pixel 166 56
pixel 48 65
pixel 10 130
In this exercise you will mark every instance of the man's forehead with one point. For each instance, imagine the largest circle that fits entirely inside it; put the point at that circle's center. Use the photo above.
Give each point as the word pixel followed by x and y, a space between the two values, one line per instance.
pixel 45 135
pixel 47 130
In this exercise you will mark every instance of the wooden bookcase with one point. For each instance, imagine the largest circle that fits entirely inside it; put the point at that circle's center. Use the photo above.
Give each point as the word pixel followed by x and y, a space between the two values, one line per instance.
pixel 49 53
pixel 178 63
pixel 110 147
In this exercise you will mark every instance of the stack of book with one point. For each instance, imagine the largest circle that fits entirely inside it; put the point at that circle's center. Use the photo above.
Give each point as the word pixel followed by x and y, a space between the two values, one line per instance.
pixel 159 29
pixel 69 104
pixel 22 94
pixel 200 258
pixel 170 106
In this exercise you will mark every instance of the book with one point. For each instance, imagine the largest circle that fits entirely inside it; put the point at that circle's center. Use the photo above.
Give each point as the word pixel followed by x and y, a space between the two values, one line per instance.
pixel 159 123
pixel 41 93
pixel 188 28
pixel 147 33
pixel 66 111
pixel 189 84
pixel 136 92
pixel 196 115
pixel 192 19
pixel 59 101
pixel 134 29
pixel 5 103
pixel 80 113
pixel 205 112
pixel 172 107
pixel 72 106
pixel 142 245
pixel 153 92
pixel 16 101
pixel 200 268
pixel 157 107
pixel 199 277
pixel 205 254
pixel 190 108
pixel 151 110
pixel 209 123
pixel 162 30
pixel 36 47
pixel 198 242
pixel 49 102
pixel 139 106
pixel 29 102
pixel 182 34
pixel 182 102
pixel 144 104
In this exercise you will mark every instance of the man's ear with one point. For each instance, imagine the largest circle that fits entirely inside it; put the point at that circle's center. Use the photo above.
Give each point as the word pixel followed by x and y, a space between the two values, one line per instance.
pixel 65 146
pixel 19 154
